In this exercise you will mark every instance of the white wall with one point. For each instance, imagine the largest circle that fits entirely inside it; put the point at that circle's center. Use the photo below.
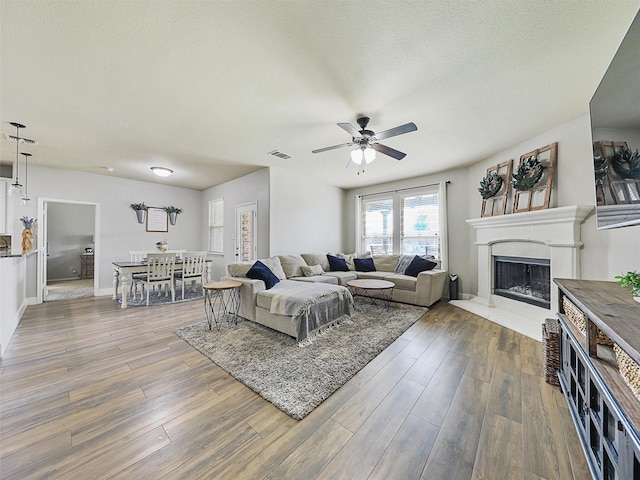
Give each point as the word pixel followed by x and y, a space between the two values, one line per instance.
pixel 250 188
pixel 119 229
pixel 306 215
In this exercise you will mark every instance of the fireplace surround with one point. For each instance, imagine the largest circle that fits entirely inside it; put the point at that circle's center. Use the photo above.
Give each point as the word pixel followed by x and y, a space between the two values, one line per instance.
pixel 551 234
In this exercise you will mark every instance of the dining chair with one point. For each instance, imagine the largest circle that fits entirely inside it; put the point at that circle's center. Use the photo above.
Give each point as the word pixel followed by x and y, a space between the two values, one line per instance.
pixel 193 265
pixel 160 270
pixel 137 256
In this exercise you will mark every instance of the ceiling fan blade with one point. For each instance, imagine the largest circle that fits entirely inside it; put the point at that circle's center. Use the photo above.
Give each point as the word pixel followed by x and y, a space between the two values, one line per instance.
pixel 332 147
pixel 392 132
pixel 350 129
pixel 351 164
pixel 388 151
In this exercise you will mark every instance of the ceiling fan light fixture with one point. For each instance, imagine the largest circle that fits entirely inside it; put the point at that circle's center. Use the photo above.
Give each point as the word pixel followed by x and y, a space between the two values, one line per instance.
pixel 162 171
pixel 369 155
pixel 356 156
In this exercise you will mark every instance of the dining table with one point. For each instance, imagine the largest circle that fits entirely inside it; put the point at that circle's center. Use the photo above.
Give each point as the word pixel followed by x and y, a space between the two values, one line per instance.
pixel 124 269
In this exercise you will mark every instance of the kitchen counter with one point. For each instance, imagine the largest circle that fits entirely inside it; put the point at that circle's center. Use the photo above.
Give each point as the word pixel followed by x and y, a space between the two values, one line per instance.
pixel 16 255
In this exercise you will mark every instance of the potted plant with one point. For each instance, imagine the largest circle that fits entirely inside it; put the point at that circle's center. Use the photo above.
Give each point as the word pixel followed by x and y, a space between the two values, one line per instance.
pixel 173 213
pixel 631 279
pixel 141 211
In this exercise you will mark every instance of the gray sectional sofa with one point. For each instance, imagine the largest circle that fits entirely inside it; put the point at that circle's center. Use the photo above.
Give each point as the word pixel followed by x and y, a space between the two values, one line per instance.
pixel 293 271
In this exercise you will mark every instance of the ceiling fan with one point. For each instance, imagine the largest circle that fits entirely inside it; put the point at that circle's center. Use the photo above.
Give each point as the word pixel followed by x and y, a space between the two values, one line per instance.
pixel 367 140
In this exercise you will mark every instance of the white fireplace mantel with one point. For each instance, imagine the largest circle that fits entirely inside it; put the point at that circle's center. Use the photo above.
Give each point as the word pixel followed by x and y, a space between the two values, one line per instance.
pixel 552 233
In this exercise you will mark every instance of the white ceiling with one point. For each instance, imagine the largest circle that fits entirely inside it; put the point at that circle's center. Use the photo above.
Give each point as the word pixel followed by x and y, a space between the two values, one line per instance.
pixel 208 88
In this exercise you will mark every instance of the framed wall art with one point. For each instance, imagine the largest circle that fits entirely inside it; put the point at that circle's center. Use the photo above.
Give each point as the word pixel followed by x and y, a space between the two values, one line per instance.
pixel 494 189
pixel 533 179
pixel 157 220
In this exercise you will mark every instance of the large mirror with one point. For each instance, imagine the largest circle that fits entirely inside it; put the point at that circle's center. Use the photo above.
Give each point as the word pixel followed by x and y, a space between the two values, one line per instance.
pixel 615 130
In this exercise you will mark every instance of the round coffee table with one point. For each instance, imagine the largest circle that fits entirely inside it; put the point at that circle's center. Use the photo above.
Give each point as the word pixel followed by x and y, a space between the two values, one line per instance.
pixel 375 294
pixel 221 302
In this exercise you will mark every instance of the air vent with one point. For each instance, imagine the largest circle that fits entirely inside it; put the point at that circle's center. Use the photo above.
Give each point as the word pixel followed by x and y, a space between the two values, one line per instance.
pixel 278 154
pixel 28 141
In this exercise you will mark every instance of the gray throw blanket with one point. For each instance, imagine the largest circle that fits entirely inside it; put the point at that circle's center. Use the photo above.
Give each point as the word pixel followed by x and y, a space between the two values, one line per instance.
pixel 313 306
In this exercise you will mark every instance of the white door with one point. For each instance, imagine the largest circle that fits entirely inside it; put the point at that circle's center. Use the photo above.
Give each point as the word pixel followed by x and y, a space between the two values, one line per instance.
pixel 246 232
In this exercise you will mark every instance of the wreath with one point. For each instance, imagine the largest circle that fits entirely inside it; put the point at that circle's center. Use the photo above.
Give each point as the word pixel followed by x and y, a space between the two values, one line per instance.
pixel 490 185
pixel 626 164
pixel 528 174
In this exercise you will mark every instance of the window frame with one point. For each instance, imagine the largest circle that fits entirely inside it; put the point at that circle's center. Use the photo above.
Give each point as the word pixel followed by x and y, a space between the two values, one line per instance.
pixel 397 234
pixel 216 224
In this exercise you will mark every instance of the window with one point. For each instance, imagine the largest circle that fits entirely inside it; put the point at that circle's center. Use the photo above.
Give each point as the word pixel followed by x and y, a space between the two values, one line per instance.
pixel 377 225
pixel 408 222
pixel 216 226
pixel 420 225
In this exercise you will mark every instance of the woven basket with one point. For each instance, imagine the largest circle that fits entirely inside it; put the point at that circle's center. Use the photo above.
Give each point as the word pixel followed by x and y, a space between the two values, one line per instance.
pixel 551 350
pixel 574 314
pixel 629 370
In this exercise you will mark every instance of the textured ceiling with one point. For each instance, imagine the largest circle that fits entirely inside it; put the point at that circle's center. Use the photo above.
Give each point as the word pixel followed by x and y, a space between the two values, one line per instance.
pixel 208 88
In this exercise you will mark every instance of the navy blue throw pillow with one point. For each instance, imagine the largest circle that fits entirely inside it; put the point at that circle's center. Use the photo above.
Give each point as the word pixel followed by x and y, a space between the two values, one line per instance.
pixel 364 264
pixel 259 271
pixel 337 264
pixel 419 264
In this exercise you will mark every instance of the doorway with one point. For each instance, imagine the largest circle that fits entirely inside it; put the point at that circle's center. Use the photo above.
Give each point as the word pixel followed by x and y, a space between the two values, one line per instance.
pixel 246 232
pixel 68 253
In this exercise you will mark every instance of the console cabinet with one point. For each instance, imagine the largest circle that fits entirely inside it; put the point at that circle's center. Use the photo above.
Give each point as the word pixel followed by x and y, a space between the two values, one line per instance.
pixel 605 411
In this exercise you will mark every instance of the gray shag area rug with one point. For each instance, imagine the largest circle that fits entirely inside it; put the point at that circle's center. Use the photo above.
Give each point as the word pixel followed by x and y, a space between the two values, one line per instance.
pixel 296 378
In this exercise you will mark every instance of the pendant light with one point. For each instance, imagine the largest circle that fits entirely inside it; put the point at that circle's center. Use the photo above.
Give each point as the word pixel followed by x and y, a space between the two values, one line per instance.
pixel 25 198
pixel 16 187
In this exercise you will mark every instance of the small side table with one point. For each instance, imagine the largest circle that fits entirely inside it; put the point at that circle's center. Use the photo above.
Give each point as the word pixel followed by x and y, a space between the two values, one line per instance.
pixel 221 302
pixel 375 293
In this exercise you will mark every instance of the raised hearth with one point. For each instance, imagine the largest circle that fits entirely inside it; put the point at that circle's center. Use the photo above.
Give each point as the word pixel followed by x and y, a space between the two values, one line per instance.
pixel 552 234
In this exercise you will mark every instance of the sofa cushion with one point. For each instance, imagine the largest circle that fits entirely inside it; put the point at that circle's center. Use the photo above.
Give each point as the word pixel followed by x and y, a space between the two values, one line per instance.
pixel 343 277
pixel 317 259
pixel 364 265
pixel 238 269
pixel 402 282
pixel 419 264
pixel 311 270
pixel 337 264
pixel 386 263
pixel 275 266
pixel 259 271
pixel 373 275
pixel 317 279
pixel 292 265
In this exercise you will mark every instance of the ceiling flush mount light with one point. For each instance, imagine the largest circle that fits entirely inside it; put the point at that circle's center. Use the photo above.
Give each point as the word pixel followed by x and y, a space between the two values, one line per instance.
pixel 162 171
pixel 16 187
pixel 25 198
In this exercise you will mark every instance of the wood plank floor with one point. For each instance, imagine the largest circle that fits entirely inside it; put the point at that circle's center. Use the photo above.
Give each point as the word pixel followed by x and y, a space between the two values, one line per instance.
pixel 91 391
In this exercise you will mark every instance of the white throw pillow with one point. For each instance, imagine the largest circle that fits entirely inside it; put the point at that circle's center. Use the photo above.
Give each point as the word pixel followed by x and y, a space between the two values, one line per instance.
pixel 317 259
pixel 310 271
pixel 291 264
pixel 275 266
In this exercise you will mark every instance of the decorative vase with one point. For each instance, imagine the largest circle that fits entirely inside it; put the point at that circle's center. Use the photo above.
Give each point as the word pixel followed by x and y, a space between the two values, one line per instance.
pixel 141 215
pixel 27 240
pixel 172 218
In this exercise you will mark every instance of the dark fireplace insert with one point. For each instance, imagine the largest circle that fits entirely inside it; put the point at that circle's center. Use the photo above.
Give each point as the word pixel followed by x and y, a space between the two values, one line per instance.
pixel 524 279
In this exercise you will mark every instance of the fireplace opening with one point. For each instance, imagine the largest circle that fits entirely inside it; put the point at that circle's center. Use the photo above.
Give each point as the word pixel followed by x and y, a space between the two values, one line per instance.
pixel 524 279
